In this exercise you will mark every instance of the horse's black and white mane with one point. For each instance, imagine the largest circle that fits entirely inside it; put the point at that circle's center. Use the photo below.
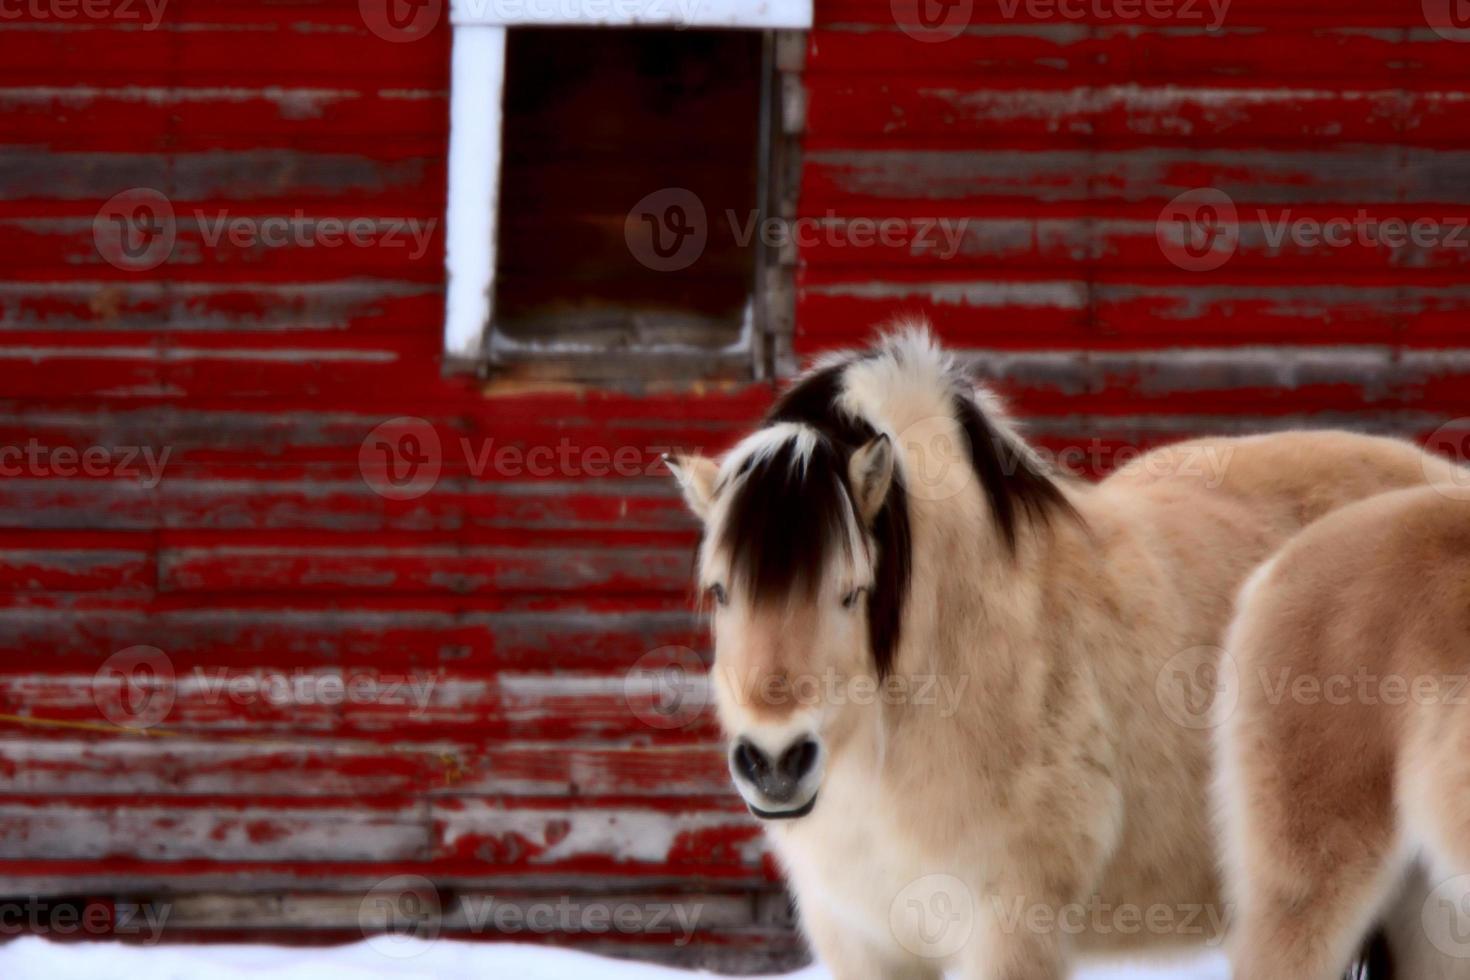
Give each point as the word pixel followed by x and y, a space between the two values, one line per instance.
pixel 791 508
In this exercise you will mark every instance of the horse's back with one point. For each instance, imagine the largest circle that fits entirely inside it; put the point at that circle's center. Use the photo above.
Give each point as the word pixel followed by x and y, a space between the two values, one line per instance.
pixel 1313 471
pixel 1211 510
pixel 1375 584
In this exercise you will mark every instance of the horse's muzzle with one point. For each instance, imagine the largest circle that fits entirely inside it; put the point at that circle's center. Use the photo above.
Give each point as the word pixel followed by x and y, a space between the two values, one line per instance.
pixel 769 782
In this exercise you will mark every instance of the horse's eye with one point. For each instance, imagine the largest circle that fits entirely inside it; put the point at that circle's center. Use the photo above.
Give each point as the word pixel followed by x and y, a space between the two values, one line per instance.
pixel 850 600
pixel 717 593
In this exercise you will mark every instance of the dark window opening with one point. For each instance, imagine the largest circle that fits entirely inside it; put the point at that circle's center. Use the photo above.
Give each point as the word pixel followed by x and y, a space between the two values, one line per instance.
pixel 631 180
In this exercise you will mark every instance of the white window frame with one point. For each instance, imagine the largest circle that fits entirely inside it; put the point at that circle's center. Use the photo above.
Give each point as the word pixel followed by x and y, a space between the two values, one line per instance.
pixel 477 82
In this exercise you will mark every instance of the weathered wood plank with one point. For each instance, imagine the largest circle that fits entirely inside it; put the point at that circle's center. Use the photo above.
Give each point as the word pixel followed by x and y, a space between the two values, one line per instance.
pixel 220 830
pixel 50 877
pixel 527 836
pixel 529 437
pixel 1301 15
pixel 486 915
pixel 457 571
pixel 159 306
pixel 66 765
pixel 273 51
pixel 338 505
pixel 188 117
pixel 1338 55
pixel 397 636
pixel 725 839
pixel 1141 315
pixel 1375 175
pixel 382 703
pixel 224 244
pixel 1421 246
pixel 921 111
pixel 286 176
pixel 78 366
pixel 77 563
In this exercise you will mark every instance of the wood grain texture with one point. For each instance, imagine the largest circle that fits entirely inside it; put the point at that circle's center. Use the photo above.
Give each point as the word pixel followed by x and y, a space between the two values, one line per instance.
pixel 229 400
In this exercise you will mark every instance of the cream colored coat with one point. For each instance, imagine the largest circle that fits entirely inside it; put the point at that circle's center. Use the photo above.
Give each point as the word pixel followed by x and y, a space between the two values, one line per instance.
pixel 1056 803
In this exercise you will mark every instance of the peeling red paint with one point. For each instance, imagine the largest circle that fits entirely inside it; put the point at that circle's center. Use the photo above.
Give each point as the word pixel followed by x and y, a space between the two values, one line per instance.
pixel 526 595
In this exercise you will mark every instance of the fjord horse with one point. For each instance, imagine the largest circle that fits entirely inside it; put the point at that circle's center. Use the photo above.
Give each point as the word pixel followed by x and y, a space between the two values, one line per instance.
pixel 969 697
pixel 1344 776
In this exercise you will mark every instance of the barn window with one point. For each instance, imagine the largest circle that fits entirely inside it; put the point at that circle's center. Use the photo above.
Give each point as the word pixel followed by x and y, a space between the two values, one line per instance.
pixel 608 187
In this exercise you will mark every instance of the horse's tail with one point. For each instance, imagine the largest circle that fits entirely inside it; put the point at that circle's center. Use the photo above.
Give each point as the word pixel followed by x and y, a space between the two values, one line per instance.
pixel 1375 959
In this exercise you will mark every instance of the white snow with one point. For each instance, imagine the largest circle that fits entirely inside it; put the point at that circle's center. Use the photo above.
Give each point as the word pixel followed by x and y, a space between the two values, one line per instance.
pixel 32 958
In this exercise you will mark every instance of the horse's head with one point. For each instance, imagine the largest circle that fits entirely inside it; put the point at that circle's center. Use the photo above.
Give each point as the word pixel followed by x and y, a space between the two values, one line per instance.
pixel 806 557
pixel 801 589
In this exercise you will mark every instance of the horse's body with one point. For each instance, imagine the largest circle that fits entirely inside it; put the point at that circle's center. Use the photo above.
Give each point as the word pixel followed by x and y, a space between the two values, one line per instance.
pixel 1048 797
pixel 1347 758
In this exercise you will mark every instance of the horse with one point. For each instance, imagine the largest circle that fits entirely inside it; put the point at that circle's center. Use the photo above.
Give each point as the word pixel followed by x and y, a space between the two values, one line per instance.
pixel 967 695
pixel 1343 774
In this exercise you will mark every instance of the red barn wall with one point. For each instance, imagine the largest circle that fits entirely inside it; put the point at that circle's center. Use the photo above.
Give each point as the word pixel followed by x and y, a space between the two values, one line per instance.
pixel 1059 142
pixel 526 592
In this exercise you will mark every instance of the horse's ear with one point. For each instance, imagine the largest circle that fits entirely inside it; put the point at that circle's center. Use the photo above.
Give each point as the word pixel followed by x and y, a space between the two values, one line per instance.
pixel 696 476
pixel 870 473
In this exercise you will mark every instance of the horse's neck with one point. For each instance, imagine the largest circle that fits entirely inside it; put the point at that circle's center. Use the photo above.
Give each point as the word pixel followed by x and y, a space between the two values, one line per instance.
pixel 985 635
pixel 998 619
pixel 971 595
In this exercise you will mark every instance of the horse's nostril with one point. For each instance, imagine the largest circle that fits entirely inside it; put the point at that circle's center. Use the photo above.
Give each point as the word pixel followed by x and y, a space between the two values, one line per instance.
pixel 750 762
pixel 798 760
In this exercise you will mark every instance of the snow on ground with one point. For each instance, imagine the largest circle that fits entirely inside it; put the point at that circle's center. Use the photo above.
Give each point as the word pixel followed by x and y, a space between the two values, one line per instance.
pixel 32 958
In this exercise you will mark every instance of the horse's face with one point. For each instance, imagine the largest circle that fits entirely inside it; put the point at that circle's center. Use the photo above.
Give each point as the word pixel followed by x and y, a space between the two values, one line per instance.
pixel 786 569
pixel 782 678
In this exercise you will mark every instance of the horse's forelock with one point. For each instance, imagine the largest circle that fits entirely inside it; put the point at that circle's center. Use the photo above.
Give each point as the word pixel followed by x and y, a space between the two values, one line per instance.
pixel 789 515
pixel 791 512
